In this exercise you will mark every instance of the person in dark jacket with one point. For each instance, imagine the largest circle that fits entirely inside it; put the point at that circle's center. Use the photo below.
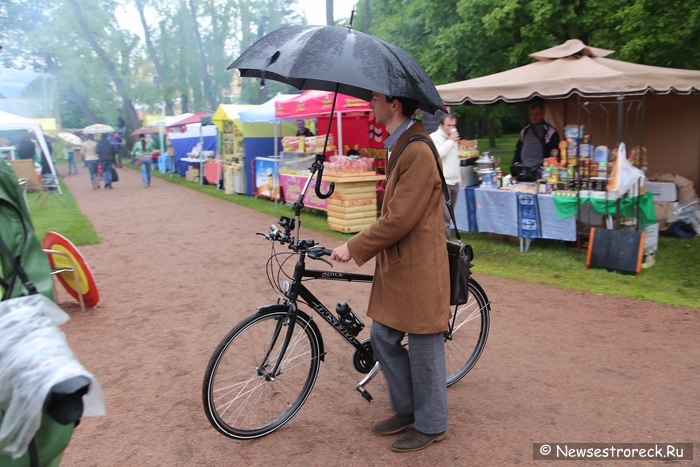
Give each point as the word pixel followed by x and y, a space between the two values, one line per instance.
pixel 26 149
pixel 537 140
pixel 107 156
pixel 302 130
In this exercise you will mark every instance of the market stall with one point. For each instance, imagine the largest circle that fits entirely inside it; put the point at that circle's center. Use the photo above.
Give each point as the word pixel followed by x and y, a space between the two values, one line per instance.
pixel 192 143
pixel 354 126
pixel 353 204
pixel 596 104
pixel 9 122
pixel 166 161
pixel 574 73
pixel 263 132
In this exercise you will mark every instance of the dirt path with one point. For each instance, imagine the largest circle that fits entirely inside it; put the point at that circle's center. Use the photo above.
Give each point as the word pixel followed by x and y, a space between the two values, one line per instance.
pixel 177 269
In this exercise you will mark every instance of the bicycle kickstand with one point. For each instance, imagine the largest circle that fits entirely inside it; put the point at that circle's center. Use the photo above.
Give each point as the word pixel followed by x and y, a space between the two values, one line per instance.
pixel 361 385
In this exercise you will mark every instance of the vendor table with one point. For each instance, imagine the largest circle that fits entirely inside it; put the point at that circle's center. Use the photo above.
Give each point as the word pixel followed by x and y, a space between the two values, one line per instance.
pixel 517 214
pixel 196 160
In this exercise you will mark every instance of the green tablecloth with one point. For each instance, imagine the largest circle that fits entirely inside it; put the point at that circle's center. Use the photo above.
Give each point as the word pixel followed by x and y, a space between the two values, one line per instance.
pixel 567 206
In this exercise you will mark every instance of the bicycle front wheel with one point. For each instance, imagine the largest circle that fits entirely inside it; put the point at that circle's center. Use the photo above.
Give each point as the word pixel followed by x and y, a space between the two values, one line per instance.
pixel 465 341
pixel 241 398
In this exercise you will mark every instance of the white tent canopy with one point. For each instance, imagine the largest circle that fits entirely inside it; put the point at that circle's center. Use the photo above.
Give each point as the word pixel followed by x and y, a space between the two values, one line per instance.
pixel 10 121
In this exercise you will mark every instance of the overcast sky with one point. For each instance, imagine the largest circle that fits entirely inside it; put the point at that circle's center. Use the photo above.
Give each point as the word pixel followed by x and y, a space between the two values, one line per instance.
pixel 316 10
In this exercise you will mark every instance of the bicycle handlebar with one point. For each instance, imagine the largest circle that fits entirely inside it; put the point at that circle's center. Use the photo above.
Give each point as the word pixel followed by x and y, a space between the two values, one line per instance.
pixel 309 246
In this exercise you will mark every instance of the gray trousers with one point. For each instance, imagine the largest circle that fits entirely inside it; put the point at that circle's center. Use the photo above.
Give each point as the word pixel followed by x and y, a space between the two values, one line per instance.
pixel 416 376
pixel 454 192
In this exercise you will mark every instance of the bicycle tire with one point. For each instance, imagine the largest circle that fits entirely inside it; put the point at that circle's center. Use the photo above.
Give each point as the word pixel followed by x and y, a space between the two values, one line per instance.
pixel 242 403
pixel 471 329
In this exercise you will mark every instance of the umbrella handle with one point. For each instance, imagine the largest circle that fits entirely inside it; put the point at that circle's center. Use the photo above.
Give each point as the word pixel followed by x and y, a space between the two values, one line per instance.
pixel 319 178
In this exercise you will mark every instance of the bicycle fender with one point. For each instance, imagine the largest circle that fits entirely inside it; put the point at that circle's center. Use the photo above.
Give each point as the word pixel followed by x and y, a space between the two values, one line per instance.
pixel 275 307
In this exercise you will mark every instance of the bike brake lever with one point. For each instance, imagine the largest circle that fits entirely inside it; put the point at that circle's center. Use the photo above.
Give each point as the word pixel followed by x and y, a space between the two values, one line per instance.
pixel 318 256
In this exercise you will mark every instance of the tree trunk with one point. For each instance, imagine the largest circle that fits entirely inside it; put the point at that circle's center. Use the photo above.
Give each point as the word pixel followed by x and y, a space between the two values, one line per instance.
pixel 82 105
pixel 122 88
pixel 208 94
pixel 329 13
pixel 154 57
pixel 368 17
pixel 490 128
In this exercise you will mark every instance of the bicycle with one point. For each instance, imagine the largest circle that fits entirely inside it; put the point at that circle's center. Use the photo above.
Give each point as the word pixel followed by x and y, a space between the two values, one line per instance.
pixel 264 369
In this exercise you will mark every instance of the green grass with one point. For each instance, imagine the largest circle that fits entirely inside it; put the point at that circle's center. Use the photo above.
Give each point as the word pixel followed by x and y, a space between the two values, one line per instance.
pixel 503 143
pixel 672 280
pixel 61 215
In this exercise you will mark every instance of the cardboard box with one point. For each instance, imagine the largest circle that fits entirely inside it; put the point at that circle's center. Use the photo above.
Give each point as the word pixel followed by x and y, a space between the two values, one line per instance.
pixel 666 192
pixel 192 174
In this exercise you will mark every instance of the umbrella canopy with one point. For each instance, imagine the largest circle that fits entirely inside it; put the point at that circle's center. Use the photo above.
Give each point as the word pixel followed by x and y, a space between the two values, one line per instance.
pixel 338 59
pixel 572 67
pixel 145 131
pixel 98 128
pixel 70 138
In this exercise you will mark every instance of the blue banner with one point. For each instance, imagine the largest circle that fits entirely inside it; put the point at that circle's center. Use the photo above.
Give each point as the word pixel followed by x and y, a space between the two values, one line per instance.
pixel 528 216
pixel 471 209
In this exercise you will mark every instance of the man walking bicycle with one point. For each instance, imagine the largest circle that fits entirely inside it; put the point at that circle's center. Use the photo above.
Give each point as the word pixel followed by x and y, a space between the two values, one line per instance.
pixel 410 292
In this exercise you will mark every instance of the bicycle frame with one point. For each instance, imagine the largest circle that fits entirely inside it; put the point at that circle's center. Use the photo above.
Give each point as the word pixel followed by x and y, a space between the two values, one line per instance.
pixel 298 289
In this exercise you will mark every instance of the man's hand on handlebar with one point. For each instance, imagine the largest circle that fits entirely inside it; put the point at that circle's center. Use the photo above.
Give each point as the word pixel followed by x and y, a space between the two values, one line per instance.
pixel 341 254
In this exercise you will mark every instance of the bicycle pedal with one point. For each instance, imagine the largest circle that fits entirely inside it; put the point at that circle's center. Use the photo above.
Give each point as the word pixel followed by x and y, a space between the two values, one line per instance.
pixel 365 394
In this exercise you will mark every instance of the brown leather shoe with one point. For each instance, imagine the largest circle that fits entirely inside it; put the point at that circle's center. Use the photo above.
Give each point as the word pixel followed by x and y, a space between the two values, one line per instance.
pixel 392 425
pixel 415 441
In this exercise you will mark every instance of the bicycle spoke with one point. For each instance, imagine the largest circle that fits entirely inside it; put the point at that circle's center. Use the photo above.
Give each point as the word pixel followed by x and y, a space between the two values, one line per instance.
pixel 471 317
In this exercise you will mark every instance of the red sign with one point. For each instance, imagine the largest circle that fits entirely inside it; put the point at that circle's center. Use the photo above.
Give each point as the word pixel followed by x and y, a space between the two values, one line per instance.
pixel 88 288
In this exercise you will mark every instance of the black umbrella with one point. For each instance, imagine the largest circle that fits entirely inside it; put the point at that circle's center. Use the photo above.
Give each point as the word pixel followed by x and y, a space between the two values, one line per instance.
pixel 332 58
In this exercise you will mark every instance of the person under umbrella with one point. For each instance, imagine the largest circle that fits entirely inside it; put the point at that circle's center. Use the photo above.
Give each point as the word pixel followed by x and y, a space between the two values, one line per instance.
pixel 411 289
pixel 410 292
pixel 91 159
pixel 142 153
pixel 107 155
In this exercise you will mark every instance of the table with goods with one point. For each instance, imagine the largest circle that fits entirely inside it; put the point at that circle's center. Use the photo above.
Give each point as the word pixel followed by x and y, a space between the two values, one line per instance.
pixel 571 191
pixel 353 204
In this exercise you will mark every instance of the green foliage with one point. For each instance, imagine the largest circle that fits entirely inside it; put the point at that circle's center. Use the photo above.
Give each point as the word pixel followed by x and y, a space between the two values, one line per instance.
pixel 457 40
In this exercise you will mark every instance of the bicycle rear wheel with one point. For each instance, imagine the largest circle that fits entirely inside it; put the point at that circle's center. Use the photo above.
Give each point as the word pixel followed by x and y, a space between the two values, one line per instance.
pixel 243 402
pixel 467 339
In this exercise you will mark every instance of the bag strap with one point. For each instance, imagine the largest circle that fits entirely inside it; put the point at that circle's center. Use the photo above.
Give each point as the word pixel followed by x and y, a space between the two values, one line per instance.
pixel 445 191
pixel 16 261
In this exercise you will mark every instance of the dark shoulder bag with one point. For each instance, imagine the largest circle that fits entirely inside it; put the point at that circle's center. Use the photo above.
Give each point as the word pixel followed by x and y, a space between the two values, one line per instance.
pixel 459 254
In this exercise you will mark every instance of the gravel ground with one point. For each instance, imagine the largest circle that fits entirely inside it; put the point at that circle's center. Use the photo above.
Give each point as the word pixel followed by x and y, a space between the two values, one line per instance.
pixel 177 269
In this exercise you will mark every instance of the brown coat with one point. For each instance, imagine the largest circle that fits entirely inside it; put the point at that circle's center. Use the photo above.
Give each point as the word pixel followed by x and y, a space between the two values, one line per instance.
pixel 411 280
